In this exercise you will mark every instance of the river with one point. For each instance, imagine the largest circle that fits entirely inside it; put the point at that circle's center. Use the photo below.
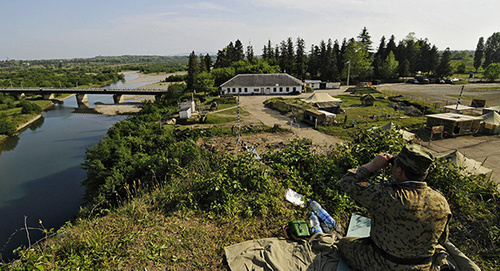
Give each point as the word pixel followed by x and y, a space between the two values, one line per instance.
pixel 40 169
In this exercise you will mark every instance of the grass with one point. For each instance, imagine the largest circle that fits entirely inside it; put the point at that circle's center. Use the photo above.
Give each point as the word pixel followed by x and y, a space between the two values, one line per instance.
pixel 138 236
pixel 369 116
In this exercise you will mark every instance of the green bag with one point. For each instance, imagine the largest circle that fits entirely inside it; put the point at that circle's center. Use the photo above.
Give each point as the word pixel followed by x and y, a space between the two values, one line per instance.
pixel 298 229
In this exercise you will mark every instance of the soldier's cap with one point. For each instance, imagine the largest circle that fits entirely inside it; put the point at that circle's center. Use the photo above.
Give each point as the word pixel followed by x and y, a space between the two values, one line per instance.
pixel 415 159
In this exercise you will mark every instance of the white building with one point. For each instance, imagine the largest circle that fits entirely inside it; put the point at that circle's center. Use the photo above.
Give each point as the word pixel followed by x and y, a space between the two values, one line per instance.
pixel 186 109
pixel 248 84
pixel 314 84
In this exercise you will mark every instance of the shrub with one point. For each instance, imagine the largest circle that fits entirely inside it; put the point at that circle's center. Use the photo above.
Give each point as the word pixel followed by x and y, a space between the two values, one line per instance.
pixel 6 126
pixel 30 108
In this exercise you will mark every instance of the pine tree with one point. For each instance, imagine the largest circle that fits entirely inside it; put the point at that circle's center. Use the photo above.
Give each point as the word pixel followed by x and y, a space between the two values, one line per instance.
pixel 208 62
pixel 300 59
pixel 365 38
pixel 492 50
pixel 478 54
pixel 444 68
pixel 250 55
pixel 238 51
pixel 193 70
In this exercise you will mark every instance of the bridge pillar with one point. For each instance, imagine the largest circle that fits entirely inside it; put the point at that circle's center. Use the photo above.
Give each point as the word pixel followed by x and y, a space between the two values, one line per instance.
pixel 48 96
pixel 18 96
pixel 118 98
pixel 82 98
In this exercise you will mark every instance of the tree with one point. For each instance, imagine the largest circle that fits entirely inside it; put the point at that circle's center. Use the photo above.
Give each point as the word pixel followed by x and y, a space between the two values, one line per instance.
pixel 444 68
pixel 492 72
pixel 389 68
pixel 250 54
pixel 238 53
pixel 286 56
pixel 492 50
pixel 30 108
pixel 379 57
pixel 300 59
pixel 460 68
pixel 357 54
pixel 6 126
pixel 364 37
pixel 205 83
pixel 193 70
pixel 328 62
pixel 208 62
pixel 478 54
pixel 202 67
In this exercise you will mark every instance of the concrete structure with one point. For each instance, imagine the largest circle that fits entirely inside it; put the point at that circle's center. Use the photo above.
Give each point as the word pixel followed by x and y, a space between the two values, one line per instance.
pixel 186 109
pixel 250 84
pixel 81 93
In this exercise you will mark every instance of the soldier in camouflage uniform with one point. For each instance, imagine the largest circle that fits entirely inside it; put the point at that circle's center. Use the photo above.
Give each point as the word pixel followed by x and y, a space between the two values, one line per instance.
pixel 408 219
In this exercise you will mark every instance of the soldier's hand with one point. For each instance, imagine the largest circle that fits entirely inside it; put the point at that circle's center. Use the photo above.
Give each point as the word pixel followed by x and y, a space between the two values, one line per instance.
pixel 380 161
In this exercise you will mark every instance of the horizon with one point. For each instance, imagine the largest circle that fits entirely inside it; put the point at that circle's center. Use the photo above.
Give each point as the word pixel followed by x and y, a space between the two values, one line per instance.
pixel 45 30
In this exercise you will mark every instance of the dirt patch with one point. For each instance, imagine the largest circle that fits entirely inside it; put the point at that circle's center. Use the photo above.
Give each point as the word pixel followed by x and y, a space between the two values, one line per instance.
pixel 132 104
pixel 261 142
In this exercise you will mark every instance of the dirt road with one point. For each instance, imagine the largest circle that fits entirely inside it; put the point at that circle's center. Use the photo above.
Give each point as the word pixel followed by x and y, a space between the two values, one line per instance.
pixel 255 106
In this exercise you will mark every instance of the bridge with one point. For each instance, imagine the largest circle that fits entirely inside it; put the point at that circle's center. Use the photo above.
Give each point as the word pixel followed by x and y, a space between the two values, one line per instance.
pixel 81 93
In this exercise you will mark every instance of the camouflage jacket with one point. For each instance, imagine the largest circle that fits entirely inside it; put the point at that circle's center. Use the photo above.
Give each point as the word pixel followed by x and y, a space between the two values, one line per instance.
pixel 408 219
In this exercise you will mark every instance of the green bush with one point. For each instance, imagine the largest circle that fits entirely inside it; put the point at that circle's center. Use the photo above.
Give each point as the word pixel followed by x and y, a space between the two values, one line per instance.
pixel 6 126
pixel 29 108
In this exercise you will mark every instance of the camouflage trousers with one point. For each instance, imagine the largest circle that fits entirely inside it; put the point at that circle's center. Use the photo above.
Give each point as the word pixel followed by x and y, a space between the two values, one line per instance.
pixel 360 254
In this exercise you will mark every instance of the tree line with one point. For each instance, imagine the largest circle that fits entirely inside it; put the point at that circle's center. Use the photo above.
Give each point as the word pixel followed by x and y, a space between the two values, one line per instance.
pixel 487 55
pixel 98 61
pixel 331 61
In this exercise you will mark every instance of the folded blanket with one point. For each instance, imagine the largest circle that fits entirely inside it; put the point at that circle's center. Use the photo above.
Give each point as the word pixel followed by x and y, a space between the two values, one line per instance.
pixel 317 253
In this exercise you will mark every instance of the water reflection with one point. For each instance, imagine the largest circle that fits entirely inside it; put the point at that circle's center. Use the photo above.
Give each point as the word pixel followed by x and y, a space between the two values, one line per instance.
pixel 40 169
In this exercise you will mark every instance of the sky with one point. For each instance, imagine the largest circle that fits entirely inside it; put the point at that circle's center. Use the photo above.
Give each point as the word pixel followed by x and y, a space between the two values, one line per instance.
pixel 61 29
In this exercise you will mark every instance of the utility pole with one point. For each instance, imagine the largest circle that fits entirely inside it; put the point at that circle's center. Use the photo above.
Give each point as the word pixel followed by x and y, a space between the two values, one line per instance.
pixel 459 97
pixel 348 71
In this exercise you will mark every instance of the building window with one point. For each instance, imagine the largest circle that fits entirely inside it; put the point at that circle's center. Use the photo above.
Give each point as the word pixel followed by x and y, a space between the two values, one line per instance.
pixel 234 90
pixel 256 90
pixel 294 89
pixel 287 89
pixel 239 89
pixel 246 90
pixel 281 89
pixel 274 89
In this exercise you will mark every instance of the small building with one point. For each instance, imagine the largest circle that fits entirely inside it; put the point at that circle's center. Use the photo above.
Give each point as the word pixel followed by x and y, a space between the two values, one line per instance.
pixel 317 84
pixel 314 84
pixel 325 101
pixel 314 117
pixel 249 84
pixel 367 100
pixel 454 124
pixel 469 166
pixel 186 109
pixel 491 109
pixel 490 124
